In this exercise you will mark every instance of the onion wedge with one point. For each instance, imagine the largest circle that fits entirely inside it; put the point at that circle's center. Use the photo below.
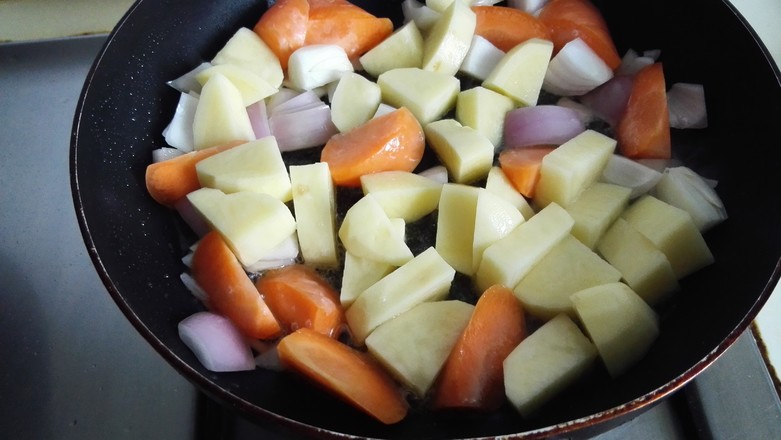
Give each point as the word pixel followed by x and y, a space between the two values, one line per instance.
pixel 575 70
pixel 216 342
pixel 686 104
pixel 631 174
pixel 541 125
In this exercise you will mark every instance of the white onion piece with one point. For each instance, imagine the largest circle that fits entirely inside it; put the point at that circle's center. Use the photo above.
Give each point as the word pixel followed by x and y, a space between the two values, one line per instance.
pixel 316 65
pixel 179 132
pixel 187 82
pixel 660 164
pixel 195 289
pixel 384 109
pixel 258 117
pixel 216 342
pixel 530 6
pixel 481 58
pixel 269 360
pixel 437 173
pixel 303 129
pixel 423 16
pixel 187 260
pixel 686 103
pixel 165 153
pixel 484 2
pixel 541 125
pixel 575 70
pixel 283 254
pixel 621 170
pixel 632 62
pixel 302 101
pixel 608 101
pixel 682 187
pixel 653 54
pixel 586 114
pixel 192 217
pixel 283 95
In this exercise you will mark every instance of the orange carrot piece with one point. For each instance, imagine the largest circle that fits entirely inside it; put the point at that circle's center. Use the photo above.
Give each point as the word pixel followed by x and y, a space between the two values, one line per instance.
pixel 230 290
pixel 507 27
pixel 344 24
pixel 569 19
pixel 644 129
pixel 283 27
pixel 472 377
pixel 522 167
pixel 345 372
pixel 392 142
pixel 300 297
pixel 170 180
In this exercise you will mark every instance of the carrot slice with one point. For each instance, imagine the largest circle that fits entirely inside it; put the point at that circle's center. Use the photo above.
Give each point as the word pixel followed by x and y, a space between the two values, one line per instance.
pixel 230 290
pixel 344 24
pixel 522 167
pixel 344 372
pixel 472 376
pixel 392 142
pixel 644 129
pixel 507 27
pixel 300 297
pixel 570 19
pixel 170 180
pixel 283 27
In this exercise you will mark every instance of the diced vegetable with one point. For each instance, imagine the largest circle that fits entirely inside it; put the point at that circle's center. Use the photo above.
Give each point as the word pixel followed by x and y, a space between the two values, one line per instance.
pixel 541 125
pixel 346 25
pixel 575 70
pixel 345 372
pixel 427 277
pixel 314 203
pixel 682 187
pixel 569 169
pixel 216 342
pixel 230 291
pixel 620 323
pixel 672 231
pixel 251 223
pixel 447 43
pixel 170 180
pixel 299 297
pixel 414 345
pixel 391 142
pixel 466 153
pixel 472 376
pixel 686 103
pixel 545 363
pixel 570 266
pixel 510 258
pixel 428 95
pixel 570 19
pixel 404 48
pixel 220 116
pixel 283 27
pixel 255 166
pixel 521 72
pixel 522 167
pixel 481 58
pixel 644 129
pixel 642 265
pixel 507 27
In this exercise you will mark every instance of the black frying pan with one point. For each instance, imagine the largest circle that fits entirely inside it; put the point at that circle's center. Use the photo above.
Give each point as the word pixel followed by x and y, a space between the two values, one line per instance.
pixel 136 245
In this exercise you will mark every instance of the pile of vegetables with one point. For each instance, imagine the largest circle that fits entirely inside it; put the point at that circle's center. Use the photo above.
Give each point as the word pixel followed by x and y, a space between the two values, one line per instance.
pixel 556 193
